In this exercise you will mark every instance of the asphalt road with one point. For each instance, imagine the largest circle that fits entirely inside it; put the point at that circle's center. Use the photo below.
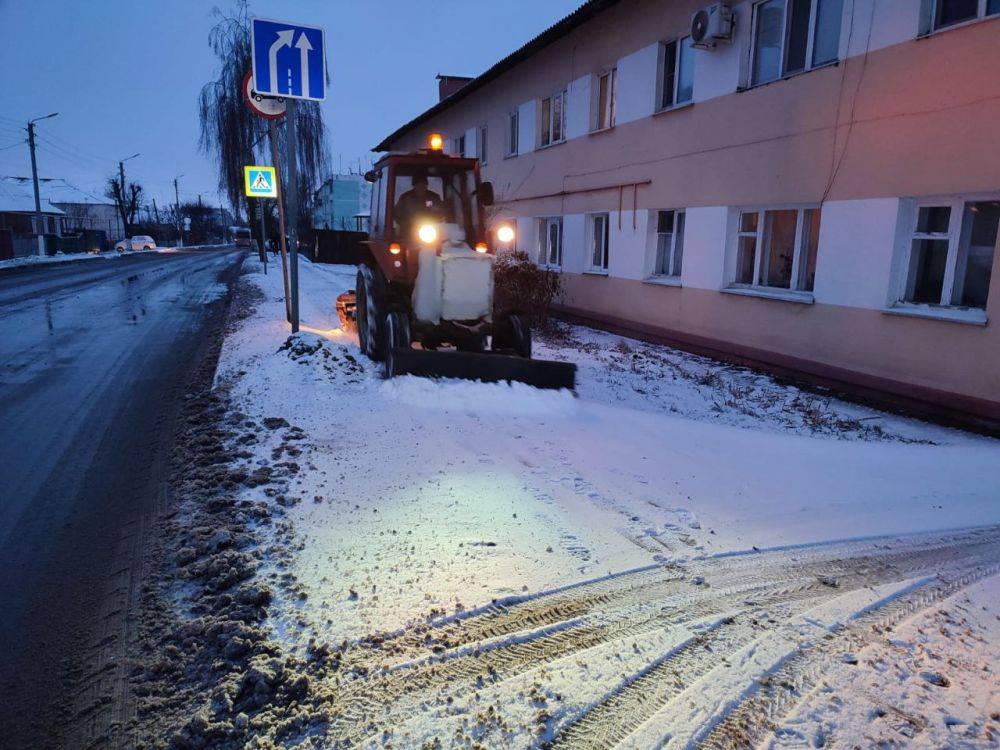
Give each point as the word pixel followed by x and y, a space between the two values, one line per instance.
pixel 95 358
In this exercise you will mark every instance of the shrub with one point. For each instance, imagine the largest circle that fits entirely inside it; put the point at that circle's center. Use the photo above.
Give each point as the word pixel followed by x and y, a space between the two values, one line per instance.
pixel 522 287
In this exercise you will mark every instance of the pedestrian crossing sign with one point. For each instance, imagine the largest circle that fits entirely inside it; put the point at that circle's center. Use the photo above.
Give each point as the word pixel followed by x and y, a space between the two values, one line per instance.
pixel 260 182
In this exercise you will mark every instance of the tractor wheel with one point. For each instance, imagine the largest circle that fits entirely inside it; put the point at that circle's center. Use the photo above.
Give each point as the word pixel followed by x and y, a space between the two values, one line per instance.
pixel 369 312
pixel 521 336
pixel 395 334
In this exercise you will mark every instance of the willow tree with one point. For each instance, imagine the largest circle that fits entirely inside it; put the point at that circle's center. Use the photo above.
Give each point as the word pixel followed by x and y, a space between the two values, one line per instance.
pixel 235 136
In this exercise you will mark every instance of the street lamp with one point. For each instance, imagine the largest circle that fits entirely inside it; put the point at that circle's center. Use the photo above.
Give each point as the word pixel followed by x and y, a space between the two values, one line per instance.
pixel 121 192
pixel 34 178
pixel 177 210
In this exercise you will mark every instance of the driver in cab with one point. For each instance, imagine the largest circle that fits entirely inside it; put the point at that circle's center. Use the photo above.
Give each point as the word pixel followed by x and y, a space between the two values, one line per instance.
pixel 416 205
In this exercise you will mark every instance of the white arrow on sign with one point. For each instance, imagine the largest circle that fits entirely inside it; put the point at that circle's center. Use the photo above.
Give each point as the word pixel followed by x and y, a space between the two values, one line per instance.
pixel 284 40
pixel 304 49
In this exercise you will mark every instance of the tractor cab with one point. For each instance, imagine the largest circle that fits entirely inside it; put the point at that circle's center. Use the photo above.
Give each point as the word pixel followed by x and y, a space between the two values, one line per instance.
pixel 425 200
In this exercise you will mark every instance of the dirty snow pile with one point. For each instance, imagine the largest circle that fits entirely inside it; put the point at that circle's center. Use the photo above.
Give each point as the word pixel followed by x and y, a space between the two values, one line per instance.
pixel 361 510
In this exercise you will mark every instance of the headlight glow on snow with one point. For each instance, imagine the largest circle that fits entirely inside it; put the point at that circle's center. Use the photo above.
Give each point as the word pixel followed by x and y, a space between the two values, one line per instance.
pixel 427 233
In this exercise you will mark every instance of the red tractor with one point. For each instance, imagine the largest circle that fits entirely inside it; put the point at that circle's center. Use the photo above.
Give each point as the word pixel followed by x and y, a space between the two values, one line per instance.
pixel 424 292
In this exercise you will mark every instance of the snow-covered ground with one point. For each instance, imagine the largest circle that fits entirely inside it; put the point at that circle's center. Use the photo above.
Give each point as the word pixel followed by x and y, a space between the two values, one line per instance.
pixel 410 502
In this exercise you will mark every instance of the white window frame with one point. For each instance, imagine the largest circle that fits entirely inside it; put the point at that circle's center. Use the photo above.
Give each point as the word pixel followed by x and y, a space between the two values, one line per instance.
pixel 458 145
pixel 544 250
pixel 592 221
pixel 604 120
pixel 785 30
pixel 906 279
pixel 661 75
pixel 670 251
pixel 932 6
pixel 561 95
pixel 481 144
pixel 513 134
pixel 795 288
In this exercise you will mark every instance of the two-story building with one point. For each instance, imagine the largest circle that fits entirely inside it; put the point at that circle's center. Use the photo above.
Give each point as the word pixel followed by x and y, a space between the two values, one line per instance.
pixel 817 194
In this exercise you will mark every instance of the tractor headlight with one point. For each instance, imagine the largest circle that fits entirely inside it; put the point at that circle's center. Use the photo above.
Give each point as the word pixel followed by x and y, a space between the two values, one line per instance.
pixel 505 233
pixel 427 233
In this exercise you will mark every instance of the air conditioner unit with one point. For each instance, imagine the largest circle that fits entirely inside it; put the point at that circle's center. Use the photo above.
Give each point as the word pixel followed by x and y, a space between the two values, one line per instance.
pixel 712 25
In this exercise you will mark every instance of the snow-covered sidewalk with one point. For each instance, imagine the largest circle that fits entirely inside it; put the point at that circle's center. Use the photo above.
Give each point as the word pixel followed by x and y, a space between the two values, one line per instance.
pixel 410 502
pixel 661 451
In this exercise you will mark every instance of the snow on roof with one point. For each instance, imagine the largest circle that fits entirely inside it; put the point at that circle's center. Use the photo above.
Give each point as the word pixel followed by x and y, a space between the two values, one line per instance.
pixel 15 200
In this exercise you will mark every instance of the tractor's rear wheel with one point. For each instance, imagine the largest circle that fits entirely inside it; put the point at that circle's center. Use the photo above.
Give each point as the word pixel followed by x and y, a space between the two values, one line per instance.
pixel 369 313
pixel 396 334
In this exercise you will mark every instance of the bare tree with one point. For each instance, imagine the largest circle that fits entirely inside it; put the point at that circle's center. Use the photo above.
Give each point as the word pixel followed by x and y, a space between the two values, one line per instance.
pixel 232 133
pixel 126 201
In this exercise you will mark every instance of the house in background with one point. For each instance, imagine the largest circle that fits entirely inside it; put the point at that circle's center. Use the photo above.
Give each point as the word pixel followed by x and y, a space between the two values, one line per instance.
pixel 813 188
pixel 341 203
pixel 18 233
pixel 102 217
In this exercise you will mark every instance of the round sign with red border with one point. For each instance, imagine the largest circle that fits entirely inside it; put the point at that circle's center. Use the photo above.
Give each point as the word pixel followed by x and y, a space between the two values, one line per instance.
pixel 271 107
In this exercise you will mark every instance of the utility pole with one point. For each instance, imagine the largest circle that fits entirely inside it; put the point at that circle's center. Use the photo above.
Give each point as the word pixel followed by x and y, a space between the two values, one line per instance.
pixel 156 212
pixel 177 210
pixel 291 138
pixel 39 229
pixel 121 192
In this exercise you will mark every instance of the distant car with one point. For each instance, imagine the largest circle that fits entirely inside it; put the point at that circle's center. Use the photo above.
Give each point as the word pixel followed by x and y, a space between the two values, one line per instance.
pixel 139 242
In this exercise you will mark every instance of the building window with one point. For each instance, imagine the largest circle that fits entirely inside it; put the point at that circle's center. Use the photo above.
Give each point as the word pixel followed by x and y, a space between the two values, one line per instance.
pixel 550 241
pixel 481 145
pixel 677 73
pixel 791 36
pixel 551 112
pixel 458 146
pixel 512 126
pixel 669 243
pixel 600 231
pixel 950 12
pixel 951 254
pixel 777 248
pixel 605 113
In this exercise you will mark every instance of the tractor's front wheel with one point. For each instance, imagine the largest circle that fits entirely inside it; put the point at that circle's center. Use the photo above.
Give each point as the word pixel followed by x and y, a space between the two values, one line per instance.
pixel 369 313
pixel 395 335
pixel 521 336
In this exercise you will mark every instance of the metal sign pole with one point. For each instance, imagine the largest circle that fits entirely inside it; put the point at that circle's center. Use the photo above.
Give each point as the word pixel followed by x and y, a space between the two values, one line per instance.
pixel 291 144
pixel 272 131
pixel 262 248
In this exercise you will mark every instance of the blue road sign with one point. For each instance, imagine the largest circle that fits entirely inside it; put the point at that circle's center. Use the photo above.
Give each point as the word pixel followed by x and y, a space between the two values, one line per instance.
pixel 288 59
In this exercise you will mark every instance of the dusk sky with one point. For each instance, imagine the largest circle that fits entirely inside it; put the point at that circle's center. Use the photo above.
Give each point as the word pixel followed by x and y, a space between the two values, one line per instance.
pixel 124 76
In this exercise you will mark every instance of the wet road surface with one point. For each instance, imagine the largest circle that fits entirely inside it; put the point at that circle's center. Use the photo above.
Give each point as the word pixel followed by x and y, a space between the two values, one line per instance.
pixel 95 358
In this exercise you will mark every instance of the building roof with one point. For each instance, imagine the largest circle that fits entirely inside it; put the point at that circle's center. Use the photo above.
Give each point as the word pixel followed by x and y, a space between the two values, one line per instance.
pixel 558 30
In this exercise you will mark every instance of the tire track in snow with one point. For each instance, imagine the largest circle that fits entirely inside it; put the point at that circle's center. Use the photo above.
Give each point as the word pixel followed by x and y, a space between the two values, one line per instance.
pixel 389 696
pixel 753 719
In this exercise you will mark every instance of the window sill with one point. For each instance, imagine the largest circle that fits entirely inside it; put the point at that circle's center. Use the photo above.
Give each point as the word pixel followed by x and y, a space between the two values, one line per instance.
pixel 948 314
pixel 788 76
pixel 595 272
pixel 663 280
pixel 510 156
pixel 782 295
pixel 598 131
pixel 550 145
pixel 674 108
pixel 550 267
pixel 959 25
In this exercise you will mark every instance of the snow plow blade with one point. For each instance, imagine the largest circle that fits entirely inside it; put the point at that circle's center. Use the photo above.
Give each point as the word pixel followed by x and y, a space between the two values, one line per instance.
pixel 489 368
